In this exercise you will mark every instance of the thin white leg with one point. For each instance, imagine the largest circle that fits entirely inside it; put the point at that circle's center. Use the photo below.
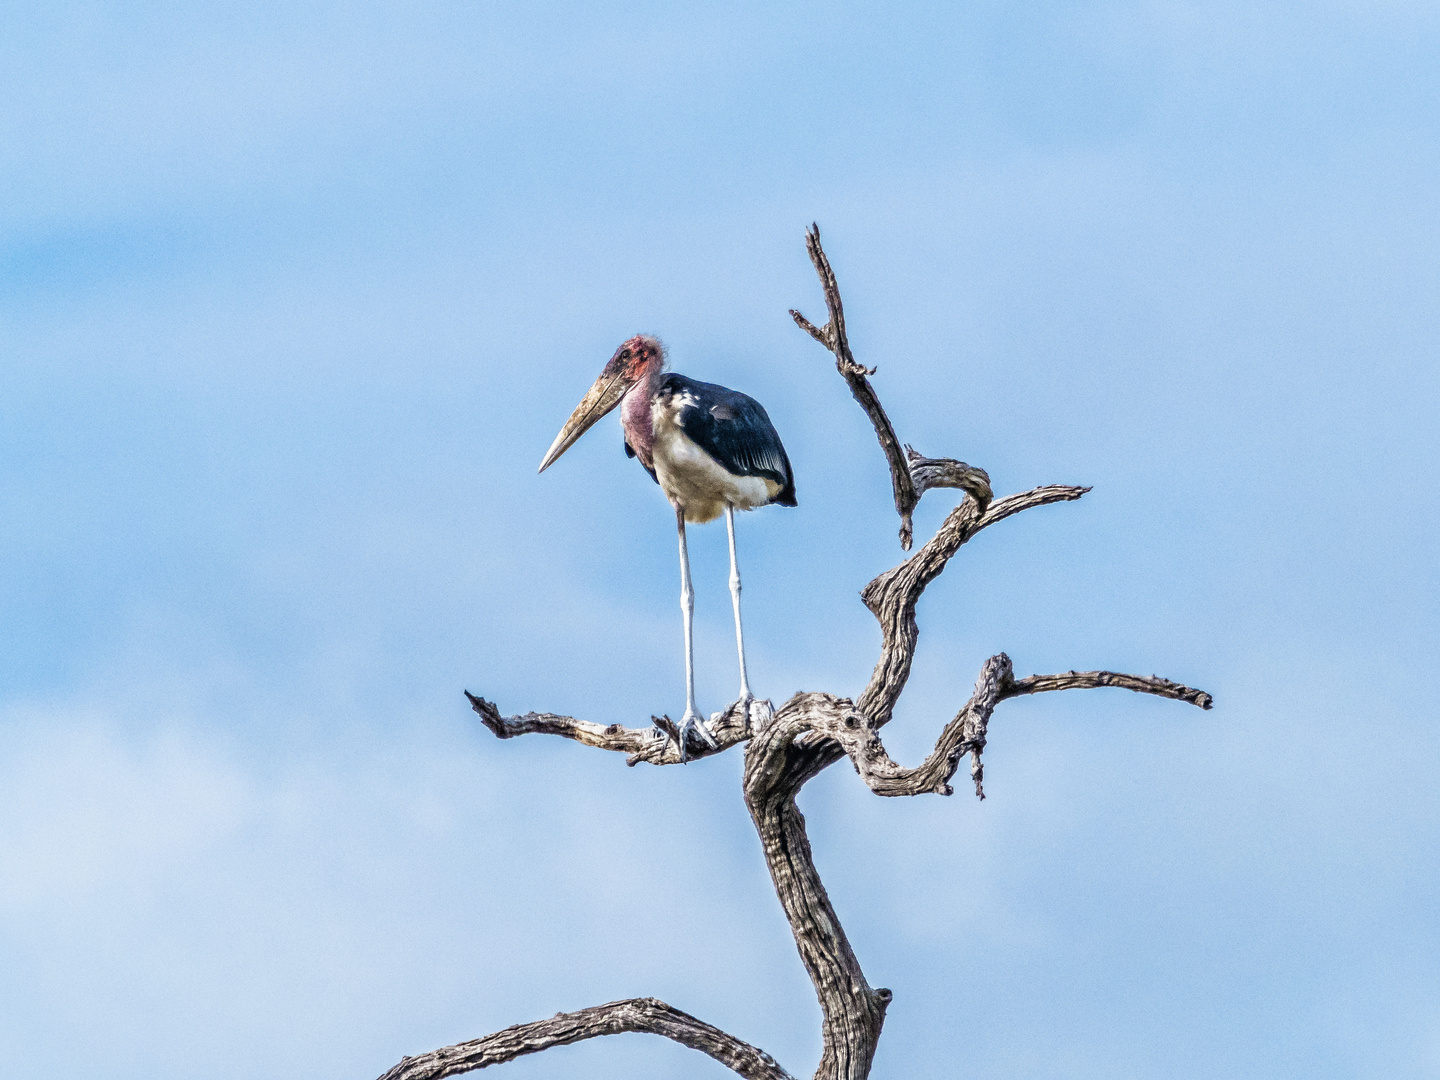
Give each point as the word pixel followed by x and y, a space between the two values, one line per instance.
pixel 692 719
pixel 745 696
pixel 687 611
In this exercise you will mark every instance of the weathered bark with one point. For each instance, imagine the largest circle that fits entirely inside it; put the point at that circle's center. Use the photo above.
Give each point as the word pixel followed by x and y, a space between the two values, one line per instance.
pixel 786 747
pixel 930 473
pixel 645 1015
pixel 655 744
pixel 853 1012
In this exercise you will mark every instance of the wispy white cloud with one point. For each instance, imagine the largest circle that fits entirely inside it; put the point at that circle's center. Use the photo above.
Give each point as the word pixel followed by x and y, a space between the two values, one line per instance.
pixel 89 813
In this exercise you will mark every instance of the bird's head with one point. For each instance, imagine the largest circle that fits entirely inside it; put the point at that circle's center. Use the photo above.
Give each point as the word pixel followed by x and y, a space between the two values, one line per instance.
pixel 632 362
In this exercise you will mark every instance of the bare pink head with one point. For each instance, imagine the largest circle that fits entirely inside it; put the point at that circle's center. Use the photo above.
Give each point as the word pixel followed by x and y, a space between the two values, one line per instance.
pixel 635 359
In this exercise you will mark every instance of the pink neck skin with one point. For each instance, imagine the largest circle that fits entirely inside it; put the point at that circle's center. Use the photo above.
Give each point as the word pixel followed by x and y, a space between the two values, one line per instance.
pixel 635 414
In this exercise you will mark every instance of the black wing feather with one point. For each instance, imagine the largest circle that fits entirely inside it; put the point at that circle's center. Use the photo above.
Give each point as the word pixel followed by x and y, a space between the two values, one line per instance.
pixel 734 429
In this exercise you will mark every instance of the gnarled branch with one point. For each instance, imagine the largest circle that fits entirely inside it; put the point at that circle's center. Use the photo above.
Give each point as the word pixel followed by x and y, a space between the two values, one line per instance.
pixel 967 732
pixel 893 595
pixel 646 1015
pixel 962 735
pixel 814 730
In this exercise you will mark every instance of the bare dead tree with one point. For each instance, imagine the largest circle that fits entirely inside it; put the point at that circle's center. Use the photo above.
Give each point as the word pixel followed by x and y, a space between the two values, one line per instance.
pixel 788 746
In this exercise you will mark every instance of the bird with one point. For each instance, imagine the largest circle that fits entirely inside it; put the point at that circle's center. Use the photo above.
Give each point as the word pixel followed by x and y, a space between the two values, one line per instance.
pixel 711 449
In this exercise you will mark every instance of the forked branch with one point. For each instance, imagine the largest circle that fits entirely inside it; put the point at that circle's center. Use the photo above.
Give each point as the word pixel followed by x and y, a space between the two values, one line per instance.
pixel 893 595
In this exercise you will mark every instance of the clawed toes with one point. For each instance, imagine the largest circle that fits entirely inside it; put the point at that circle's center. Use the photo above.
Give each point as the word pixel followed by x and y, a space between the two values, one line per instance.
pixel 749 713
pixel 693 722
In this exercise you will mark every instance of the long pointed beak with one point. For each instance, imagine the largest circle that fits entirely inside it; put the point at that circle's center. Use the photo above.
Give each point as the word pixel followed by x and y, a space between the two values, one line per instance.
pixel 602 397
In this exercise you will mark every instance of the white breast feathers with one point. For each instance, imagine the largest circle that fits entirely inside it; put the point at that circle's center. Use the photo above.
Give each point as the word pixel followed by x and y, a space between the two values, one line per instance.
pixel 693 480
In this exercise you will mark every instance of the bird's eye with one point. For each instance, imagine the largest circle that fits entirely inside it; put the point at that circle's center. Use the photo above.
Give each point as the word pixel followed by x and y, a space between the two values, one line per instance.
pixel 624 354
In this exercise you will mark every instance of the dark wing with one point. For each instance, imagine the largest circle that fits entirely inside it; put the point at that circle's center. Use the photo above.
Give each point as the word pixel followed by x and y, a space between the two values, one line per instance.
pixel 734 429
pixel 630 452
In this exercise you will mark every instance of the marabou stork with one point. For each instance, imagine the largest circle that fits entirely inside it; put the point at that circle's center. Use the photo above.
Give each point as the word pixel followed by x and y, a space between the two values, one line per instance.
pixel 712 450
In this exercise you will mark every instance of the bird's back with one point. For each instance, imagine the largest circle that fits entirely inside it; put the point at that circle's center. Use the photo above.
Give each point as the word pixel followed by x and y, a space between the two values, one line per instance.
pixel 711 446
pixel 732 428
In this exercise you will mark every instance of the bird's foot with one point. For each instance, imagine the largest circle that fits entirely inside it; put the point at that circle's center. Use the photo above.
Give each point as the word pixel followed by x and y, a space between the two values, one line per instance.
pixel 693 721
pixel 758 714
pixel 752 712
pixel 741 708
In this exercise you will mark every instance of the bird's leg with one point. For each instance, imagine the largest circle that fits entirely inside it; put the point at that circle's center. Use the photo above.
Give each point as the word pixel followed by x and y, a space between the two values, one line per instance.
pixel 745 696
pixel 691 721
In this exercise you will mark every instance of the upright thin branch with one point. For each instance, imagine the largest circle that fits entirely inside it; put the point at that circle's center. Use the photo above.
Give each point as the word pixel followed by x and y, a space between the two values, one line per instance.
pixel 911 474
pixel 833 337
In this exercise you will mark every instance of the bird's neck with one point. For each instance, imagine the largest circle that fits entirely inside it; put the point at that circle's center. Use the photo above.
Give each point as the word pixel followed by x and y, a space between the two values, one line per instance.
pixel 635 416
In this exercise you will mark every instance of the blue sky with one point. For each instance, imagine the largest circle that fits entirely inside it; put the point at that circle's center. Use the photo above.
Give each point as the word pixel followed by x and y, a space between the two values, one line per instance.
pixel 293 299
